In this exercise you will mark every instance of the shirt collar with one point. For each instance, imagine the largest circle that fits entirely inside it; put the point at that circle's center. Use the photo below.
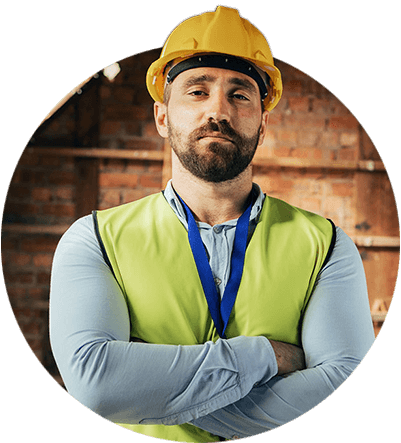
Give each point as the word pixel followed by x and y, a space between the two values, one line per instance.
pixel 176 205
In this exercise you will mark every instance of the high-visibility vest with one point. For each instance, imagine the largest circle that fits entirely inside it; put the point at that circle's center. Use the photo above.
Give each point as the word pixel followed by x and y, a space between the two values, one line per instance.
pixel 147 248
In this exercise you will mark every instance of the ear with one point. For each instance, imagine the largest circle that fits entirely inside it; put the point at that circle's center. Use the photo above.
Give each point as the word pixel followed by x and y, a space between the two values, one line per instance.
pixel 160 115
pixel 263 127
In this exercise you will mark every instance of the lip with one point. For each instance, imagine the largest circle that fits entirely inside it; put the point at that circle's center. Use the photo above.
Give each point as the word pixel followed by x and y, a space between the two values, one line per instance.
pixel 217 137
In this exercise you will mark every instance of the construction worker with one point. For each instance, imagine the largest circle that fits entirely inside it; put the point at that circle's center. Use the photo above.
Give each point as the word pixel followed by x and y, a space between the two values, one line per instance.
pixel 209 311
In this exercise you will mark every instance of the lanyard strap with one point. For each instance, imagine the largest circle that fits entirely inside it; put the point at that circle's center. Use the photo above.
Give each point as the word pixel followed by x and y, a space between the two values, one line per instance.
pixel 220 311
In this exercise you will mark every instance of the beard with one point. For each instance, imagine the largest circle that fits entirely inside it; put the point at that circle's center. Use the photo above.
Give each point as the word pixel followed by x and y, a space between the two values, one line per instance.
pixel 218 161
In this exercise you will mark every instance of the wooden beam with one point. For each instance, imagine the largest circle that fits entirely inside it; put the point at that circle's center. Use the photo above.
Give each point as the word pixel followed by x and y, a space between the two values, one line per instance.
pixel 290 162
pixel 99 153
pixel 382 241
pixel 20 228
pixel 130 154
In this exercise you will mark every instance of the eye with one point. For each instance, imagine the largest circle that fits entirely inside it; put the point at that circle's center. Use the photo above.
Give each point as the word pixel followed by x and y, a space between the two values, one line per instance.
pixel 239 96
pixel 197 93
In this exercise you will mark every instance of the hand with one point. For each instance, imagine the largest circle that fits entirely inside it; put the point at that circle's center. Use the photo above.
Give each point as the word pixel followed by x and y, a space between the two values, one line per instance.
pixel 290 358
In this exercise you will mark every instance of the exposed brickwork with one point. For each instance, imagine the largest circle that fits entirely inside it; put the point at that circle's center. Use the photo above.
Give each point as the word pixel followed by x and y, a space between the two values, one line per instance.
pixel 308 124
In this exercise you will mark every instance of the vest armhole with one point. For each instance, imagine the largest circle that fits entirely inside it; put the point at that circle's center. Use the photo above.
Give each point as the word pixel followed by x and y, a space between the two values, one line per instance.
pixel 332 244
pixel 100 241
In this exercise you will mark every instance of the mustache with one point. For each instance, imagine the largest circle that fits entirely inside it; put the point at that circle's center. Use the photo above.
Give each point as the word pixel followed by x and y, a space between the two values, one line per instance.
pixel 222 127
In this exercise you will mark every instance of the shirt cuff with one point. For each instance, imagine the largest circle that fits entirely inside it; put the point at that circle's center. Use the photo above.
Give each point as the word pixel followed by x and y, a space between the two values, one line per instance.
pixel 256 361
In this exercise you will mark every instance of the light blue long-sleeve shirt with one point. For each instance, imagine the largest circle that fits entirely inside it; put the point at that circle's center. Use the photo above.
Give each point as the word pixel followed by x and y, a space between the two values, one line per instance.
pixel 140 383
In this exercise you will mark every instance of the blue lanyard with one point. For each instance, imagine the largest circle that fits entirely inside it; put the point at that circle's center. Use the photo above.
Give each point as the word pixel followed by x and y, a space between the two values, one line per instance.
pixel 220 311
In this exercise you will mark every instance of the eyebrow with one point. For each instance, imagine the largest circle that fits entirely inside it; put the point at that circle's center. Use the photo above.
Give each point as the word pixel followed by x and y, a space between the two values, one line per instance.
pixel 196 80
pixel 244 83
pixel 207 78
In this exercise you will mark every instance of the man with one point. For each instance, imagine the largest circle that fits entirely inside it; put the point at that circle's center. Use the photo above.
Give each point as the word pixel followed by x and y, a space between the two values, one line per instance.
pixel 209 311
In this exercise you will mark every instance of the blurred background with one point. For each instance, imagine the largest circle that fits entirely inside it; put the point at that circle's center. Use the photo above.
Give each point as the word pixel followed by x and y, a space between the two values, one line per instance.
pixel 99 148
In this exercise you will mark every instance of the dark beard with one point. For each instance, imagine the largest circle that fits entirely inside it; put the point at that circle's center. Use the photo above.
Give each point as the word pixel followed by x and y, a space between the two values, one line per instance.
pixel 218 162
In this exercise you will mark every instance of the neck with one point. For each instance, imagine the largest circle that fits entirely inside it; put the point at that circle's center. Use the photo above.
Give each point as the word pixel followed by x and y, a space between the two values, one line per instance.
pixel 212 203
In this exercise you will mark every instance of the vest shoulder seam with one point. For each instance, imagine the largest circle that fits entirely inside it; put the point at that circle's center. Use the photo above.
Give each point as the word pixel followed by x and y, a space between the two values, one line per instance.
pixel 100 241
pixel 332 243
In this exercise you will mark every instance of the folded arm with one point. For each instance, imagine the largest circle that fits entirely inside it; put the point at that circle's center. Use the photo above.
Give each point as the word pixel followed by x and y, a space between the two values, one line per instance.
pixel 133 382
pixel 337 332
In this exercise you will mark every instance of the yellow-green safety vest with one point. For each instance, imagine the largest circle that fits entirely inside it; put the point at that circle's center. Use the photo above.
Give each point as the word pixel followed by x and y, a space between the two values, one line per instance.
pixel 148 251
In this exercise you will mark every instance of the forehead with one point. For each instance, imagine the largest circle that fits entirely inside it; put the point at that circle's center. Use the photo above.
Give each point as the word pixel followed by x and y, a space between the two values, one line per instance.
pixel 211 76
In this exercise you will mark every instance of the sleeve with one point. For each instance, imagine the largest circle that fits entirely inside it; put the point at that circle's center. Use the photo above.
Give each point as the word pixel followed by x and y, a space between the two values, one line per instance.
pixel 130 382
pixel 337 332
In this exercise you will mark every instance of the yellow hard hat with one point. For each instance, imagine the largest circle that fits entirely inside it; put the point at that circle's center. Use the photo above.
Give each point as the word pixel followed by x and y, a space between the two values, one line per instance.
pixel 223 32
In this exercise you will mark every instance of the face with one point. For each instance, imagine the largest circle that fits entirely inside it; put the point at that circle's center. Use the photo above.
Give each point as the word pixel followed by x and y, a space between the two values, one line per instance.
pixel 214 122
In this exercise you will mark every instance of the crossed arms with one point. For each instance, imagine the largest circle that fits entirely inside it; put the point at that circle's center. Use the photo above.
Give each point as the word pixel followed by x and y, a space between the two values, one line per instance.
pixel 240 386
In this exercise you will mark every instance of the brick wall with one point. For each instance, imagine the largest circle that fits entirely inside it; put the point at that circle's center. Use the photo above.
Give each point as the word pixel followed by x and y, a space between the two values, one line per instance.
pixel 309 125
pixel 127 124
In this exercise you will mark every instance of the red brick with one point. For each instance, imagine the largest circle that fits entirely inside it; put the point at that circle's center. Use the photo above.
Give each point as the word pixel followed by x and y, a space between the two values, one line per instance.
pixel 347 154
pixel 316 154
pixel 287 136
pixel 308 138
pixel 150 181
pixel 283 151
pixel 349 138
pixel 300 104
pixel 293 86
pixel 38 293
pixel 118 179
pixel 133 128
pixel 110 127
pixel 149 130
pixel 133 195
pixel 105 92
pixel 275 118
pixel 155 168
pixel 15 294
pixel 42 260
pixel 64 193
pixel 110 164
pixel 311 204
pixel 57 177
pixel 126 112
pixel 43 278
pixel 110 198
pixel 321 105
pixel 9 242
pixel 306 121
pixel 41 194
pixel 25 210
pixel 18 192
pixel 39 243
pixel 342 189
pixel 49 160
pixel 300 152
pixel 28 159
pixel 148 144
pixel 119 113
pixel 19 259
pixel 21 277
pixel 31 328
pixel 343 122
pixel 60 210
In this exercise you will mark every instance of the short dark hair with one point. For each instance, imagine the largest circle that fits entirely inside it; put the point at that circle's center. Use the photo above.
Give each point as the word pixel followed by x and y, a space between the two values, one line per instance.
pixel 167 88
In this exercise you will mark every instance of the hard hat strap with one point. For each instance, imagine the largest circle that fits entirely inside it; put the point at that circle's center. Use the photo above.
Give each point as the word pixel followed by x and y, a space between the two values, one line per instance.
pixel 219 61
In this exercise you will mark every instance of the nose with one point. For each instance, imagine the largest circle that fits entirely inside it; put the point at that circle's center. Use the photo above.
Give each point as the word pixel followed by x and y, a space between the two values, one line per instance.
pixel 218 107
